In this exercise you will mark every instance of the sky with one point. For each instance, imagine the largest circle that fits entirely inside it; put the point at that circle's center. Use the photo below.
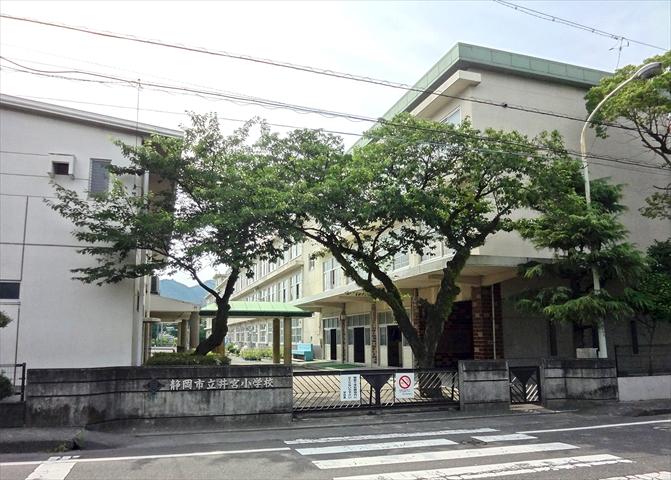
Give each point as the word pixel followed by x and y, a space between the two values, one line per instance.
pixel 397 41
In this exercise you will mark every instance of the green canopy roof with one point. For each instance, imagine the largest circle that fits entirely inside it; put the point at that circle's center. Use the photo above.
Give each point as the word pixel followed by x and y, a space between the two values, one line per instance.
pixel 258 309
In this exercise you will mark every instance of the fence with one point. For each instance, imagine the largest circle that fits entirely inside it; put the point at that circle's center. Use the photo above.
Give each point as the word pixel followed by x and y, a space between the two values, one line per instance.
pixel 639 360
pixel 314 391
pixel 17 375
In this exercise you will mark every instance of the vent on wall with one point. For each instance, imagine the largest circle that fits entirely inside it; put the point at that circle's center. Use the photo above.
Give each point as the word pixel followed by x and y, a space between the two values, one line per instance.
pixel 62 164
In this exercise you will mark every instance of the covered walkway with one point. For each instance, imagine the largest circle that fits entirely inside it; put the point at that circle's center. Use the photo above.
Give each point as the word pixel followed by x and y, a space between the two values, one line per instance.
pixel 274 310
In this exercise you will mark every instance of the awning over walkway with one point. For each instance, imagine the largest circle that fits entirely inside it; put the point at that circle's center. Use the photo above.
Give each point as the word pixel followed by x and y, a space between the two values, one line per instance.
pixel 258 309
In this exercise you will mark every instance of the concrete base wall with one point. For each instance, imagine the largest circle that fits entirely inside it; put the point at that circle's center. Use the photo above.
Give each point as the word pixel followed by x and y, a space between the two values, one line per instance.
pixel 484 385
pixel 159 396
pixel 577 381
pixel 633 389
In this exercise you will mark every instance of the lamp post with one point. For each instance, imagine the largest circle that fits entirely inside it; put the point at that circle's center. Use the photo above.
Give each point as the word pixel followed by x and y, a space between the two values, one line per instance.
pixel 646 71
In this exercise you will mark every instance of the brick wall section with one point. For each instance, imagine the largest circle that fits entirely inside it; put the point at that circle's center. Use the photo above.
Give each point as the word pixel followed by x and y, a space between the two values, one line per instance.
pixel 481 301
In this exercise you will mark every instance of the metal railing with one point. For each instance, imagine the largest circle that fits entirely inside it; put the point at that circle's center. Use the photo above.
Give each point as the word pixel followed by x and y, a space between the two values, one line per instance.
pixel 525 386
pixel 17 377
pixel 633 360
pixel 314 391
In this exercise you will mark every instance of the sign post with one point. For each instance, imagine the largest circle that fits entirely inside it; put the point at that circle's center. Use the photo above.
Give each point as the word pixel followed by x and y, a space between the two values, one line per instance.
pixel 350 388
pixel 404 383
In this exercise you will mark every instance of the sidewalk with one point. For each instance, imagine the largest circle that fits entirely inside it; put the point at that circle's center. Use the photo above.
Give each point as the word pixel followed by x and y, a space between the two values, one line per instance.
pixel 55 440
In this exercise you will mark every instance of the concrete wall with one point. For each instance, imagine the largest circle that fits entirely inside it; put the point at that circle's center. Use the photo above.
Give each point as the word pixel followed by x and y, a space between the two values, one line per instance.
pixel 655 387
pixel 484 385
pixel 572 381
pixel 122 396
pixel 58 321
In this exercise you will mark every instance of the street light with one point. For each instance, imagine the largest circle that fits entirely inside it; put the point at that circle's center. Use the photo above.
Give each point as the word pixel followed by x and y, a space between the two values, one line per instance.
pixel 646 71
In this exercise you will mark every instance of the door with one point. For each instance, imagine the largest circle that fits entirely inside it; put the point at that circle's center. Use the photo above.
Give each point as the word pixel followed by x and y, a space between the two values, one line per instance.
pixel 334 345
pixel 393 346
pixel 359 347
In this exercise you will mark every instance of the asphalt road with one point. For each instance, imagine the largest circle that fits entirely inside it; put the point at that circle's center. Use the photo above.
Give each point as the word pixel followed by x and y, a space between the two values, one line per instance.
pixel 389 447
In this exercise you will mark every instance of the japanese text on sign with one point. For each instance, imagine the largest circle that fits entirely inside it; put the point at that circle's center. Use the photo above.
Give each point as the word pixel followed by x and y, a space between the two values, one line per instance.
pixel 221 383
pixel 350 388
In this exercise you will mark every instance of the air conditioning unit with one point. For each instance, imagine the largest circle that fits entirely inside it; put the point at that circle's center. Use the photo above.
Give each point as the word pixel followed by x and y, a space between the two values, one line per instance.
pixel 62 164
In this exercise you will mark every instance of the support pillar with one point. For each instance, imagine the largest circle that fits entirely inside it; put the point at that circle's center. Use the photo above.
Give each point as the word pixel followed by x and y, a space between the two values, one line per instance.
pixel 194 329
pixel 343 337
pixel 287 340
pixel 146 341
pixel 374 330
pixel 183 336
pixel 276 341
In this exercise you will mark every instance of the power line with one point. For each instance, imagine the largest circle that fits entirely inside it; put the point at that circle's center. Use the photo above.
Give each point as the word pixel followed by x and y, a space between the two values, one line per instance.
pixel 306 68
pixel 570 23
pixel 268 103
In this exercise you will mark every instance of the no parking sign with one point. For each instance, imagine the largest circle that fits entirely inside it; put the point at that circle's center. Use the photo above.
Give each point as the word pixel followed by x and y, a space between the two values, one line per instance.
pixel 405 385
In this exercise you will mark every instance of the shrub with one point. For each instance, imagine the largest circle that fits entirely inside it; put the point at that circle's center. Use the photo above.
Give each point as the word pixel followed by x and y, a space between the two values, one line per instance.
pixel 6 387
pixel 183 358
pixel 257 353
pixel 233 349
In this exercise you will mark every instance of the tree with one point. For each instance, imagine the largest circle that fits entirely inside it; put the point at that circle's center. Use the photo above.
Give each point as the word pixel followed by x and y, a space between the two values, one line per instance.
pixel 414 184
pixel 208 209
pixel 581 236
pixel 650 296
pixel 647 105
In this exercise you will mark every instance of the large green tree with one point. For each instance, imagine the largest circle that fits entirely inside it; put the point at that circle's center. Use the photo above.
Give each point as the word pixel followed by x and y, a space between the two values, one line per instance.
pixel 582 237
pixel 650 296
pixel 207 210
pixel 646 105
pixel 416 183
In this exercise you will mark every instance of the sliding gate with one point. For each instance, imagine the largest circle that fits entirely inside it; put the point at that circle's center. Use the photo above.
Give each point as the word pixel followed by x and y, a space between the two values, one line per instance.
pixel 322 390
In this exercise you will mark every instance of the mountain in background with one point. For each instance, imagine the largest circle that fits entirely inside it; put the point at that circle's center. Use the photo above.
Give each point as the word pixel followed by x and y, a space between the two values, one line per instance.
pixel 174 289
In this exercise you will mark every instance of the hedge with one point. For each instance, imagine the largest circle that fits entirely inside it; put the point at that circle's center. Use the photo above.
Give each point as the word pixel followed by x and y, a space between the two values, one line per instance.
pixel 183 358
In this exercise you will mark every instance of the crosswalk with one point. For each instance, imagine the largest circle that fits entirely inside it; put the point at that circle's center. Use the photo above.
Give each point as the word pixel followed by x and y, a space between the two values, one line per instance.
pixel 393 455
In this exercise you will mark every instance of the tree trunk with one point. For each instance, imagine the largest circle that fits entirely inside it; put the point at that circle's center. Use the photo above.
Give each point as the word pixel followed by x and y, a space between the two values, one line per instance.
pixel 219 330
pixel 220 320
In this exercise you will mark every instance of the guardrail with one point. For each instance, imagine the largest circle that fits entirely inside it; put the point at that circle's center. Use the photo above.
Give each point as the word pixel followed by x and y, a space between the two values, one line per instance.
pixel 321 390
pixel 18 381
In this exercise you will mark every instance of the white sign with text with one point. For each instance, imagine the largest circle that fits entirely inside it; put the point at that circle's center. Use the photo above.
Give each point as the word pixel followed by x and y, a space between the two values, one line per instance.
pixel 405 385
pixel 350 388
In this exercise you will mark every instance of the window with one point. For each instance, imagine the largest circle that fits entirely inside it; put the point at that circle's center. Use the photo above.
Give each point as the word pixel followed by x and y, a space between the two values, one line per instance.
pixel 383 336
pixel 263 333
pixel 401 260
pixel 311 264
pixel 10 290
pixel 99 181
pixel 296 330
pixel 454 118
pixel 62 164
pixel 331 274
pixel 295 284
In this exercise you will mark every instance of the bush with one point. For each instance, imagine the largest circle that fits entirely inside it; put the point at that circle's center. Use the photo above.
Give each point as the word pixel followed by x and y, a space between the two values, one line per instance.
pixel 6 387
pixel 257 353
pixel 233 349
pixel 184 358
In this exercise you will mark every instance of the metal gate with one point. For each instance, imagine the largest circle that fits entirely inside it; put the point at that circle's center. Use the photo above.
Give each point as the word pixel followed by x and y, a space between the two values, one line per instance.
pixel 525 386
pixel 314 391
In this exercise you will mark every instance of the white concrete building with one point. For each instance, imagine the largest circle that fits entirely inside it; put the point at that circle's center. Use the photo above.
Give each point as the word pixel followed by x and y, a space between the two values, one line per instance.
pixel 484 85
pixel 58 321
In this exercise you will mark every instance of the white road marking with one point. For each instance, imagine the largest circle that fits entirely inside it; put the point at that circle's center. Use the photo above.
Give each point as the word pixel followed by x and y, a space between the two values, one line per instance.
pixel 504 438
pixel 441 455
pixel 366 447
pixel 152 457
pixel 591 427
pixel 52 470
pixel 380 436
pixel 644 476
pixel 496 470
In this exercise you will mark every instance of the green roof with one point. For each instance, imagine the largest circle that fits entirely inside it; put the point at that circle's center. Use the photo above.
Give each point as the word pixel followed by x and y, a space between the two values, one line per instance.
pixel 258 309
pixel 462 56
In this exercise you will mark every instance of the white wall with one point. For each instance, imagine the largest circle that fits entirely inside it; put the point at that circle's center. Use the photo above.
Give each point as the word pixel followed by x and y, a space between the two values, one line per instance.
pixel 633 389
pixel 60 322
